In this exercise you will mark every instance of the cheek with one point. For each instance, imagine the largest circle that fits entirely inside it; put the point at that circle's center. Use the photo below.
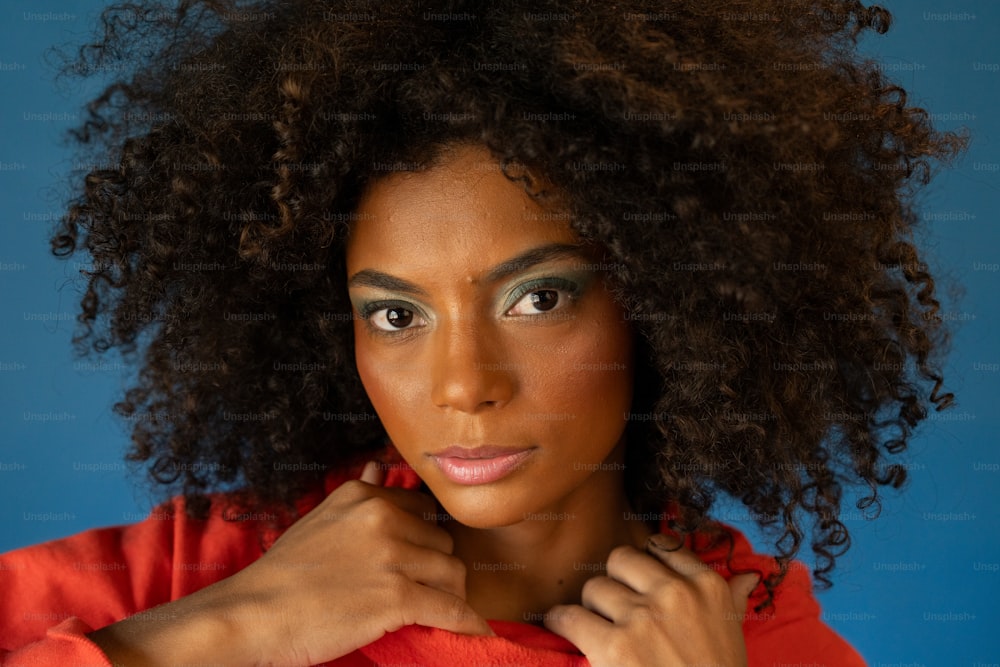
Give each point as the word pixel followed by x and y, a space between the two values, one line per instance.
pixel 377 383
pixel 577 389
pixel 588 375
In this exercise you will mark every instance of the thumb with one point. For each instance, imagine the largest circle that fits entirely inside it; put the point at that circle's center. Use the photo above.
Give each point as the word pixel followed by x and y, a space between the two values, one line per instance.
pixel 740 587
pixel 472 623
pixel 438 609
pixel 373 473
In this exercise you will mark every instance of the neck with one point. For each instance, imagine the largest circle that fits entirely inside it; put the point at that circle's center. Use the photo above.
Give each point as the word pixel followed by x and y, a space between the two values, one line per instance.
pixel 518 572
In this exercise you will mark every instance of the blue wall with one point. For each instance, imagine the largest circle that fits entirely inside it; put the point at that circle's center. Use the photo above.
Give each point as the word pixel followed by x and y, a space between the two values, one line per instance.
pixel 920 585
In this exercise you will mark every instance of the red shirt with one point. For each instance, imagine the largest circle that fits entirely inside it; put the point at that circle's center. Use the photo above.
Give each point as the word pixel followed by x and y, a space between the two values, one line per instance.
pixel 51 594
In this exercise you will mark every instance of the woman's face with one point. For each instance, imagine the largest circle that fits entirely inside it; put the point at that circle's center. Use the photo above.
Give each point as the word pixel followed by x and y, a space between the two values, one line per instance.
pixel 498 363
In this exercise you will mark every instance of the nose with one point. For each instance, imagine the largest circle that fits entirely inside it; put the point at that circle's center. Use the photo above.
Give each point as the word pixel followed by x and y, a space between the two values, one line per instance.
pixel 469 367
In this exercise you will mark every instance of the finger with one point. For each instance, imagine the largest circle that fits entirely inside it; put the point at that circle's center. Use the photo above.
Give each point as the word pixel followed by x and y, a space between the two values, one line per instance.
pixel 420 533
pixel 418 504
pixel 611 599
pixel 637 570
pixel 415 502
pixel 437 609
pixel 433 568
pixel 682 561
pixel 373 474
pixel 393 511
pixel 741 586
pixel 585 629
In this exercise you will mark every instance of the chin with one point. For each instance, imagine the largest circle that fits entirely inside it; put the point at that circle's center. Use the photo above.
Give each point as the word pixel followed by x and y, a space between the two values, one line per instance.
pixel 482 507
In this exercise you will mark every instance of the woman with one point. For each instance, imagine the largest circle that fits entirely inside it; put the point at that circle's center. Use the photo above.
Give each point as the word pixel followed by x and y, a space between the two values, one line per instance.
pixel 565 271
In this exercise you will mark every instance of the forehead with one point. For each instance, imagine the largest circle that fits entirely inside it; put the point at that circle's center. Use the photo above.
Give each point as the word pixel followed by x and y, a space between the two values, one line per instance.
pixel 462 213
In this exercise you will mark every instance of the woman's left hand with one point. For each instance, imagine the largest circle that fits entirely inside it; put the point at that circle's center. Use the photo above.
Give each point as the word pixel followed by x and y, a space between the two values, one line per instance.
pixel 667 609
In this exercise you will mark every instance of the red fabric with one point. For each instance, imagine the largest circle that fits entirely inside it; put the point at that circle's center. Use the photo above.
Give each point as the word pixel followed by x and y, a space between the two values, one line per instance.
pixel 52 594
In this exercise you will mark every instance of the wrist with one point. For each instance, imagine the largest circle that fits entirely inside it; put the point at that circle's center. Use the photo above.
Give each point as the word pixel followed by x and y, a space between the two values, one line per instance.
pixel 211 625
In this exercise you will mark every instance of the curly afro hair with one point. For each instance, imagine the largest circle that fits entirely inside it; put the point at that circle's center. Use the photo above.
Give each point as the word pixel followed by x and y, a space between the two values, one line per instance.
pixel 749 174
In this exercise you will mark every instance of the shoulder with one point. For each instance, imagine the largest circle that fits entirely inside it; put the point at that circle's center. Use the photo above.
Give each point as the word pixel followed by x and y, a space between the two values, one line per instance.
pixel 104 574
pixel 167 538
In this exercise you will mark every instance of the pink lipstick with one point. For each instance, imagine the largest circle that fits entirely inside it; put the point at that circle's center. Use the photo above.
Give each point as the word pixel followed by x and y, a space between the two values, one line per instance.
pixel 479 465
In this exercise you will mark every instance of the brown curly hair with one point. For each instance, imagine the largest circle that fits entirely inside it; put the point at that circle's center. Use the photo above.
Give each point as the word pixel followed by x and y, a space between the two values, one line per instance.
pixel 749 174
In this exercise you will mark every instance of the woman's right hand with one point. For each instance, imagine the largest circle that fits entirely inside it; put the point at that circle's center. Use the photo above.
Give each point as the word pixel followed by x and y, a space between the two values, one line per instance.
pixel 366 561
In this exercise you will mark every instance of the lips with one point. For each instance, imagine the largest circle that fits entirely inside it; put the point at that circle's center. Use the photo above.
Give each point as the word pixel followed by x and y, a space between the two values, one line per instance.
pixel 480 465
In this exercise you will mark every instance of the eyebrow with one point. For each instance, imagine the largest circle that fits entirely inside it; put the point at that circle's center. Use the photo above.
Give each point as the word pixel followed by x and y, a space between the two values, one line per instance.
pixel 516 264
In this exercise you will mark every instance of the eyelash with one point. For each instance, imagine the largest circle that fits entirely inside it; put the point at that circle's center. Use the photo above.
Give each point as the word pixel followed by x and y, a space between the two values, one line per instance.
pixel 569 288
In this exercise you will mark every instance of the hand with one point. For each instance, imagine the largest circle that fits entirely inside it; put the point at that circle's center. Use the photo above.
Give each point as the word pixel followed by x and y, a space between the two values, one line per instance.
pixel 366 561
pixel 666 609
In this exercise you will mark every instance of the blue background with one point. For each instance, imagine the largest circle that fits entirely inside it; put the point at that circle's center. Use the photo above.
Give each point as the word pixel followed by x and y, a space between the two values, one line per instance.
pixel 920 584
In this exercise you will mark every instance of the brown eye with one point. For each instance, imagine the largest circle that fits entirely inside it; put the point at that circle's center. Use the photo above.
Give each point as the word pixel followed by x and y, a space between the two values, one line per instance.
pixel 398 317
pixel 538 301
pixel 392 318
pixel 552 294
pixel 545 299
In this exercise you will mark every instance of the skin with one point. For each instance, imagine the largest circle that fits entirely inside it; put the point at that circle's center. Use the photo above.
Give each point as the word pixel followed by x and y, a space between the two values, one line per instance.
pixel 474 366
pixel 479 367
pixel 464 363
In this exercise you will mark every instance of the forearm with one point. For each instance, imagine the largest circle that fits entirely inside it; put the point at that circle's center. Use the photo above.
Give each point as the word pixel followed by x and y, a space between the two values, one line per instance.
pixel 204 627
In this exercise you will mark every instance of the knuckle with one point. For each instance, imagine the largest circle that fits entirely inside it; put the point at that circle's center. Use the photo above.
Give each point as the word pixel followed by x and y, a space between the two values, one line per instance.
pixel 676 594
pixel 389 557
pixel 591 587
pixel 352 489
pixel 564 615
pixel 396 593
pixel 459 570
pixel 377 513
pixel 619 556
pixel 645 618
pixel 709 579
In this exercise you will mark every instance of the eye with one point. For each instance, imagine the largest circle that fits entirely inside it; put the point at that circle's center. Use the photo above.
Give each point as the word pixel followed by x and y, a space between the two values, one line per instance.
pixel 537 301
pixel 390 318
pixel 538 297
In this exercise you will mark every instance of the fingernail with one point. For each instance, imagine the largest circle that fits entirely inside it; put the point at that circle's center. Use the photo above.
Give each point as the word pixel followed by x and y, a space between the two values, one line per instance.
pixel 750 583
pixel 665 543
pixel 370 470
